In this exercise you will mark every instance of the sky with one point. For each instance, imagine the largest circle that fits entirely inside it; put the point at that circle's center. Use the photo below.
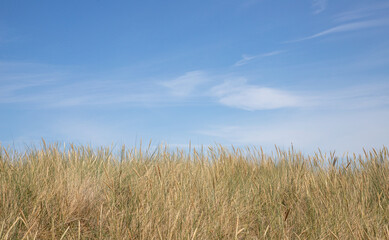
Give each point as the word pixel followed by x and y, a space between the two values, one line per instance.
pixel 312 73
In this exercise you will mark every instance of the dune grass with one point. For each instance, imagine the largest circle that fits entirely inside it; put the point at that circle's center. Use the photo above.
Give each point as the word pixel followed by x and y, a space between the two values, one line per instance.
pixel 215 193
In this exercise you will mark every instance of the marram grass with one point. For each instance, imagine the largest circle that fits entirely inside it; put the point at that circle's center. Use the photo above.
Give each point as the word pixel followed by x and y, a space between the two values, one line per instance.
pixel 217 193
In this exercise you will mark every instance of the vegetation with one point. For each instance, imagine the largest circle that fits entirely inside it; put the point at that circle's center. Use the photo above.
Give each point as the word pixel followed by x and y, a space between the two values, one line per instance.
pixel 77 192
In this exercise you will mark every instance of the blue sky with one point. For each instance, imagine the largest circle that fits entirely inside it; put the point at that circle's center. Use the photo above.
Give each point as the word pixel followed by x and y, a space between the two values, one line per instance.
pixel 314 73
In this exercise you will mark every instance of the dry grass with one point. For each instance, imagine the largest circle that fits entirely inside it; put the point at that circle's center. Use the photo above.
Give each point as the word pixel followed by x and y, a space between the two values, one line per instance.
pixel 80 193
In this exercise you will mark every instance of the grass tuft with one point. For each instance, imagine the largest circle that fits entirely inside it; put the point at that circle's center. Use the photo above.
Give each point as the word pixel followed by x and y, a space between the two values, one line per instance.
pixel 83 193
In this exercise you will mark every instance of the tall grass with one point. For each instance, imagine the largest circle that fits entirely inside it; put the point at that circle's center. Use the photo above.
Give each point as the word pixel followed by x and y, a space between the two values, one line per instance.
pixel 217 193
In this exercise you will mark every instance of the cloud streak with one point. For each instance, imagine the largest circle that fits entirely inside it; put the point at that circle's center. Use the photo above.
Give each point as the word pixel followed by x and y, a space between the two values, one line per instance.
pixel 246 59
pixel 44 86
pixel 347 28
pixel 60 94
pixel 364 12
pixel 186 84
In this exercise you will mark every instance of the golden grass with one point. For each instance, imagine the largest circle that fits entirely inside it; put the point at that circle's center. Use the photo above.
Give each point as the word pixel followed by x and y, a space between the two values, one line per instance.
pixel 80 193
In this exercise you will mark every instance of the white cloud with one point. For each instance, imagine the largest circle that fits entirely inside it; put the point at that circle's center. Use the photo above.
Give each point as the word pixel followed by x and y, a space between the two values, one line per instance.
pixel 246 59
pixel 343 120
pixel 347 27
pixel 319 6
pixel 238 93
pixel 186 84
pixel 241 95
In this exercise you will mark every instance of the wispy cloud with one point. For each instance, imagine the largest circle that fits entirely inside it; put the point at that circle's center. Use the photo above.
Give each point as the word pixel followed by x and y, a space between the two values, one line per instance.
pixel 46 86
pixel 186 84
pixel 319 6
pixel 379 9
pixel 346 28
pixel 50 89
pixel 60 94
pixel 246 59
pixel 239 94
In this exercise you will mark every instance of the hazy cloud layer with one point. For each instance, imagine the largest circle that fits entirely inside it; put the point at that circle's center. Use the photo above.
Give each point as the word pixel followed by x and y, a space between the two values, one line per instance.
pixel 309 130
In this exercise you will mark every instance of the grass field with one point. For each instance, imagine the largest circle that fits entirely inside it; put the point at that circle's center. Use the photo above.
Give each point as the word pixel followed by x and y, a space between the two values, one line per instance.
pixel 212 193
